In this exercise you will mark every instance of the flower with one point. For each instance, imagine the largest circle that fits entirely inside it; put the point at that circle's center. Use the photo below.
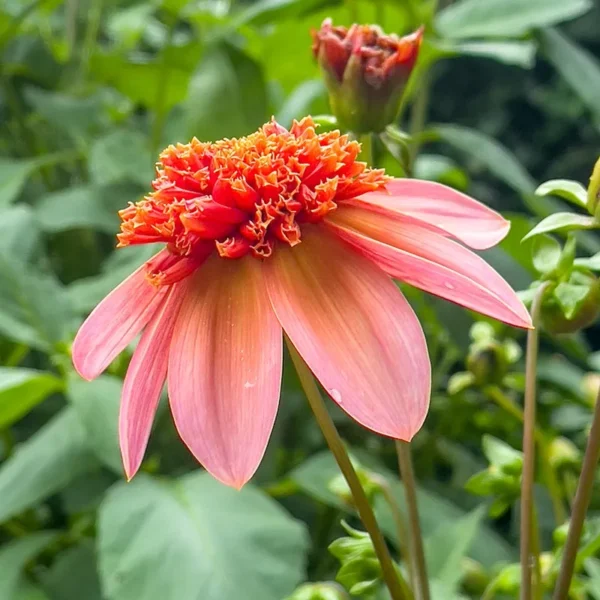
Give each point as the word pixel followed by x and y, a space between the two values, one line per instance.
pixel 283 231
pixel 366 72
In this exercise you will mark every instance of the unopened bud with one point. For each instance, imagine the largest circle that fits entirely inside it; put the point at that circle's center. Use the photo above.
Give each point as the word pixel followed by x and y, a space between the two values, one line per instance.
pixel 563 453
pixel 591 387
pixel 319 591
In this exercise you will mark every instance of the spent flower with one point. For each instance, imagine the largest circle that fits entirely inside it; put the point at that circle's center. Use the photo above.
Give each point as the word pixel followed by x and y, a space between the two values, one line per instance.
pixel 284 231
pixel 365 72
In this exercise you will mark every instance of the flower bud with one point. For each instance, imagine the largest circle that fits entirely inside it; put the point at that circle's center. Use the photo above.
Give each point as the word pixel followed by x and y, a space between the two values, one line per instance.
pixel 591 387
pixel 319 591
pixel 563 453
pixel 365 72
pixel 593 192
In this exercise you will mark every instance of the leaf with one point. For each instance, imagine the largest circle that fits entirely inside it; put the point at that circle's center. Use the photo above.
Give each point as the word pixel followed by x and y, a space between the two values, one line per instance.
pixel 435 167
pixel 14 556
pixel 196 539
pixel 571 297
pixel 13 175
pixel 502 456
pixel 521 53
pixel 28 591
pixel 34 308
pixel 96 404
pixel 21 390
pixel 120 156
pixel 488 152
pixel 578 67
pixel 592 263
pixel 546 254
pixel 315 474
pixel 592 566
pixel 562 222
pixel 227 95
pixel 73 574
pixel 572 191
pixel 446 548
pixel 74 207
pixel 19 232
pixel 52 457
pixel 298 103
pixel 509 18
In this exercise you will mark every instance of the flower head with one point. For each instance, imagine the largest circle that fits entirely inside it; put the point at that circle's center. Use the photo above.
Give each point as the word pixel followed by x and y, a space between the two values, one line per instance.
pixel 365 71
pixel 283 231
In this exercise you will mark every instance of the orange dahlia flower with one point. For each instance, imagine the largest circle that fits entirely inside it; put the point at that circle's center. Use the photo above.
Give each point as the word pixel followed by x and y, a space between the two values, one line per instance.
pixel 284 231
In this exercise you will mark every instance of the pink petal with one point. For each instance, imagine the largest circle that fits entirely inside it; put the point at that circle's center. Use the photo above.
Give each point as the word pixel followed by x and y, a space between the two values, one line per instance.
pixel 144 381
pixel 114 323
pixel 355 330
pixel 225 368
pixel 457 214
pixel 408 250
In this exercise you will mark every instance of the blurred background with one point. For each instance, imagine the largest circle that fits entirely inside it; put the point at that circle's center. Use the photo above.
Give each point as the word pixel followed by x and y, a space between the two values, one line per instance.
pixel 506 95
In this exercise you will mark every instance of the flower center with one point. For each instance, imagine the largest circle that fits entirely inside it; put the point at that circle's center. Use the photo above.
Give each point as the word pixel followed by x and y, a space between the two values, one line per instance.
pixel 243 196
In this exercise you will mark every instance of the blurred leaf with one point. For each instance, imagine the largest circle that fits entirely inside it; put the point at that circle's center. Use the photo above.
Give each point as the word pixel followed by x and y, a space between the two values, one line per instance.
pixel 546 253
pixel 34 308
pixel 521 54
pixel 572 191
pixel 27 591
pixel 592 566
pixel 13 175
pixel 578 67
pixel 74 207
pixel 14 556
pixel 510 18
pixel 592 263
pixel 268 11
pixel 435 167
pixel 21 390
pixel 227 95
pixel 562 222
pixel 127 25
pixel 96 404
pixel 72 573
pixel 298 103
pixel 501 455
pixel 446 548
pixel 19 233
pixel 53 456
pixel 227 541
pixel 120 156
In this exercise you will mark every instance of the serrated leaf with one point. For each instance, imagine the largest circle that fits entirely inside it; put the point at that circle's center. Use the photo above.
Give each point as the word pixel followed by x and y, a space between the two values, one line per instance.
pixel 227 542
pixel 572 191
pixel 505 18
pixel 52 457
pixel 546 254
pixel 14 556
pixel 21 390
pixel 96 403
pixel 562 222
pixel 577 66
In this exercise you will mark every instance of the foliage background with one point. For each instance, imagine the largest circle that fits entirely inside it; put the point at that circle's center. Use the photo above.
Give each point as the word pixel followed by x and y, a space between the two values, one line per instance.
pixel 506 95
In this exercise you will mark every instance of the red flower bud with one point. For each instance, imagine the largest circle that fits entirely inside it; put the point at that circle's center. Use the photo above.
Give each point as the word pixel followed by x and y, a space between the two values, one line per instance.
pixel 365 72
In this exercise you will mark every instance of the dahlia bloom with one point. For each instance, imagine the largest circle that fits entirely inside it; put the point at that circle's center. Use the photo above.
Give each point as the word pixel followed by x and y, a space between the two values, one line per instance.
pixel 284 231
pixel 365 72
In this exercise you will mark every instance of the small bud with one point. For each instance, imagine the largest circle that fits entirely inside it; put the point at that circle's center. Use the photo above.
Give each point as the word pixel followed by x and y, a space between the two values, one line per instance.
pixel 319 591
pixel 591 387
pixel 593 192
pixel 563 453
pixel 365 72
pixel 371 482
pixel 488 363
pixel 475 579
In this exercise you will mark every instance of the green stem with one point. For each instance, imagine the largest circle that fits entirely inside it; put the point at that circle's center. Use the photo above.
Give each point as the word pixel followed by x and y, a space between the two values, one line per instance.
pixel 91 36
pixel 418 117
pixel 392 577
pixel 580 506
pixel 410 489
pixel 527 517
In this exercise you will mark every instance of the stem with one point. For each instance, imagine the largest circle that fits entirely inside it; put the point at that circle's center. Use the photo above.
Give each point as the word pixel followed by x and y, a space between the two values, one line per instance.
pixel 366 148
pixel 392 577
pixel 400 524
pixel 580 506
pixel 410 489
pixel 527 519
pixel 418 117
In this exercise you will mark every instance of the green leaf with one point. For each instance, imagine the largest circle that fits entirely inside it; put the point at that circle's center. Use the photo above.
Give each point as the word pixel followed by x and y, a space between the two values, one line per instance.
pixel 74 207
pixel 34 308
pixel 19 232
pixel 546 253
pixel 13 175
pixel 226 541
pixel 27 591
pixel 51 458
pixel 73 574
pixel 592 263
pixel 509 18
pixel 487 151
pixel 592 566
pixel 227 95
pixel 521 53
pixel 502 456
pixel 562 222
pixel 96 403
pixel 120 156
pixel 298 103
pixel 578 68
pixel 569 190
pixel 571 297
pixel 446 548
pixel 21 390
pixel 435 167
pixel 14 556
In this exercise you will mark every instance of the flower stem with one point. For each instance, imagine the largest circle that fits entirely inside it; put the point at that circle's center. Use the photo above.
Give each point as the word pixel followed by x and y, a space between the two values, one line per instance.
pixel 580 506
pixel 410 489
pixel 527 517
pixel 393 579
